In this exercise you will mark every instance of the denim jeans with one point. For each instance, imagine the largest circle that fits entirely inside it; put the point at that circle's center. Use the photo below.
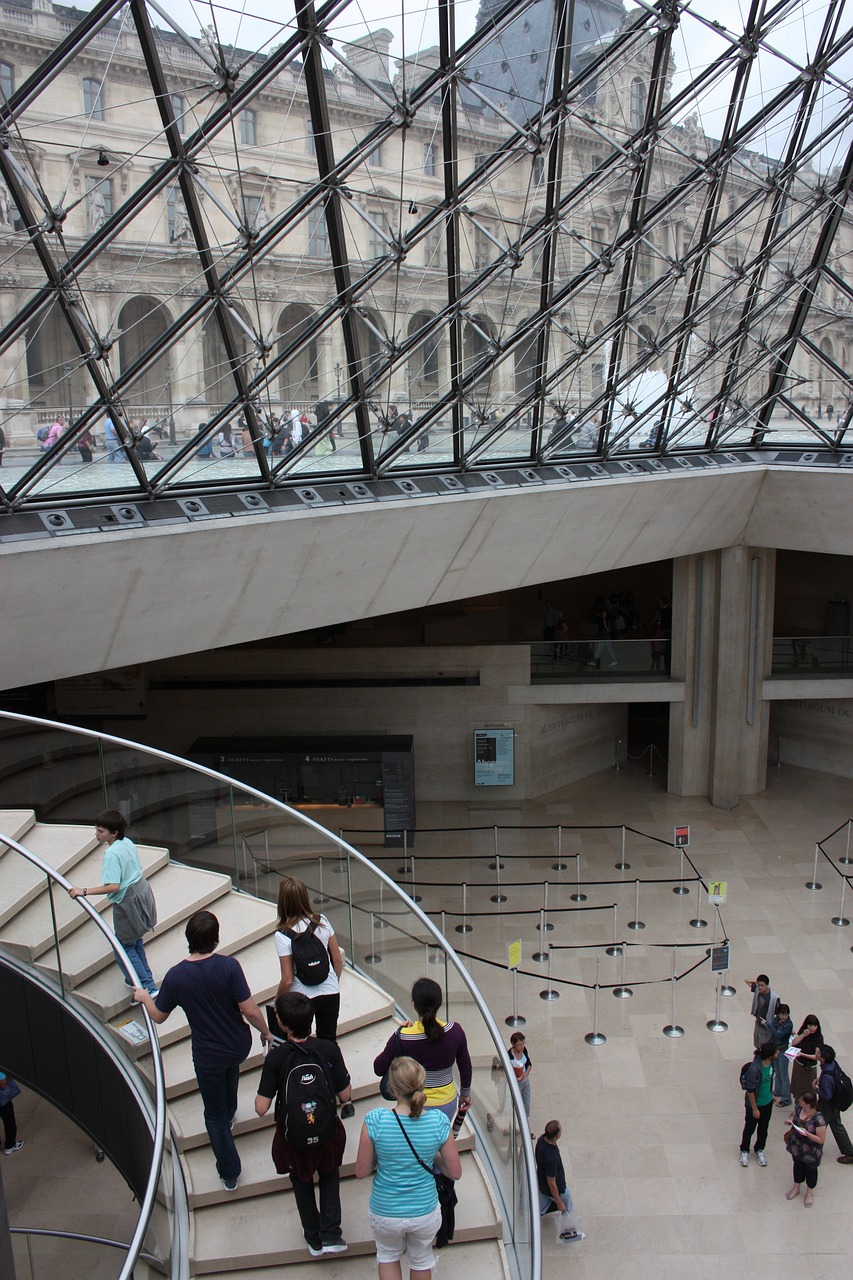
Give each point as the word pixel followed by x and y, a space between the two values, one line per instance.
pixel 218 1089
pixel 547 1205
pixel 136 955
pixel 782 1078
pixel 323 1227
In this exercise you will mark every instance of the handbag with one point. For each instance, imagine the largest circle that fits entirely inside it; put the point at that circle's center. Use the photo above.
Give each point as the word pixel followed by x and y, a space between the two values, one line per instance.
pixel 384 1086
pixel 447 1197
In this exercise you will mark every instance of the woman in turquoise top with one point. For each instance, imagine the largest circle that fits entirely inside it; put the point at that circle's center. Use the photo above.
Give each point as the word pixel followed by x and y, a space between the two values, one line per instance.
pixel 404 1213
pixel 134 908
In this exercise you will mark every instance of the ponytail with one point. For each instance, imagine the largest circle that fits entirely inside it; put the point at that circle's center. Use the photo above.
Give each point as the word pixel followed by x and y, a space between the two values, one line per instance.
pixel 427 997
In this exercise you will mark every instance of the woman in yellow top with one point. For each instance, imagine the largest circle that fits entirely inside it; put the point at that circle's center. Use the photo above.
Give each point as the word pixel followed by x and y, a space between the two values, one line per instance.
pixel 436 1045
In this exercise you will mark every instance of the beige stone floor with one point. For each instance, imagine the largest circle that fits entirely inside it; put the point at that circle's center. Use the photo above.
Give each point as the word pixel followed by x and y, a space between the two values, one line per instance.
pixel 651 1124
pixel 55 1182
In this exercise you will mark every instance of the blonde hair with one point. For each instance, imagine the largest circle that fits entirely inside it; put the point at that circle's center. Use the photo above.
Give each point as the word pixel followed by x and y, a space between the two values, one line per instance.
pixel 406 1078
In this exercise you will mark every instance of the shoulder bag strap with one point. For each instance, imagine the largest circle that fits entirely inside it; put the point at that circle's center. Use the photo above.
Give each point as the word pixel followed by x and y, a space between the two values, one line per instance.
pixel 428 1168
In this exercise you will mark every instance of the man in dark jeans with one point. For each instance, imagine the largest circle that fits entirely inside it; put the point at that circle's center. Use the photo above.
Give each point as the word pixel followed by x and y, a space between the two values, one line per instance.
pixel 758 1103
pixel 826 1086
pixel 554 1195
pixel 213 993
pixel 322 1230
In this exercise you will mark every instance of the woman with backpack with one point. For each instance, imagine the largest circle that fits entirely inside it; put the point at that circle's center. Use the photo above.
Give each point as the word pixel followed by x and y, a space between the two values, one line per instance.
pixel 309 955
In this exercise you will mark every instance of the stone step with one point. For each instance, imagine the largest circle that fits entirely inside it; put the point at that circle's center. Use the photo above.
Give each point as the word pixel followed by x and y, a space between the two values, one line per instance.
pixel 30 933
pixel 259 1177
pixel 178 892
pixel 244 1233
pixel 61 845
pixel 15 823
pixel 476 1260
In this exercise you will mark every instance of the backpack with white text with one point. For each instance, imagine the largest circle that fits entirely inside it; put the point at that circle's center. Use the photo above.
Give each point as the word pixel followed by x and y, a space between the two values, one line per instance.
pixel 308 1104
pixel 310 957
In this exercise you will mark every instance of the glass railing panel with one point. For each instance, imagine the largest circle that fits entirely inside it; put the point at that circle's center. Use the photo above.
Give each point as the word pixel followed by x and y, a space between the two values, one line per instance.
pixel 554 662
pixel 806 656
pixel 54 772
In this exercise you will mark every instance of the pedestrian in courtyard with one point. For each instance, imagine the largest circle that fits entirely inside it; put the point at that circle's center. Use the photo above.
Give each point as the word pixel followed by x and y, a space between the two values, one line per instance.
pixel 554 1195
pixel 758 1103
pixel 764 1002
pixel 302 1076
pixel 213 993
pixel 134 908
pixel 805 1136
pixel 827 1099
pixel 522 1066
pixel 9 1090
pixel 808 1040
pixel 782 1028
pixel 437 1045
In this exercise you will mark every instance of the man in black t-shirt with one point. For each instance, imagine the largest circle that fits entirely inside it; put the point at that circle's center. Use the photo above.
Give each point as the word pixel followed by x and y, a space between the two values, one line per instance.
pixel 554 1195
pixel 213 993
pixel 322 1230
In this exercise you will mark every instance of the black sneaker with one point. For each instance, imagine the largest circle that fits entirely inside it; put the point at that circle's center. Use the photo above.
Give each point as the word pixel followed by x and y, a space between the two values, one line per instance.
pixel 347 1110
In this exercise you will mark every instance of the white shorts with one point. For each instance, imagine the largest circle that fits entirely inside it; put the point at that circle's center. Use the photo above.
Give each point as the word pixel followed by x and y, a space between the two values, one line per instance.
pixel 412 1236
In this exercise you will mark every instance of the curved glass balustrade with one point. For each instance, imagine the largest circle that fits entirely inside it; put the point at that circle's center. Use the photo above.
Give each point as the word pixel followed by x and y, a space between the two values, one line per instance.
pixel 206 820
pixel 59 941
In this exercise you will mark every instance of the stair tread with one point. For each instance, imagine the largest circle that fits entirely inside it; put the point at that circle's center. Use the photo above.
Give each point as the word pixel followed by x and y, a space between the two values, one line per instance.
pixel 61 845
pixel 475 1259
pixel 230 1233
pixel 16 822
pixel 30 932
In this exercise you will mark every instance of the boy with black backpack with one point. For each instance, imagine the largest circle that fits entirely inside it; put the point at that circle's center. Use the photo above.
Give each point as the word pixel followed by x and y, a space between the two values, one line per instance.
pixel 302 1076
pixel 834 1095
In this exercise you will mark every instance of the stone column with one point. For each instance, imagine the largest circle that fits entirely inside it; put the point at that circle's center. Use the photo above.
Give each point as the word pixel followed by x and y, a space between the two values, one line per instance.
pixel 722 648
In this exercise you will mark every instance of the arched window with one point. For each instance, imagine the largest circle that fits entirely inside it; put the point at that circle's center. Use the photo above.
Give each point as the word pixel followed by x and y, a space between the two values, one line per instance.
pixel 7 81
pixel 638 103
pixel 298 380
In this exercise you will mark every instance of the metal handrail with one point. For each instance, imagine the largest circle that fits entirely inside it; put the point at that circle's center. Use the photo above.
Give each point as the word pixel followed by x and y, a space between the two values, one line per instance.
pixel 147 1207
pixel 423 919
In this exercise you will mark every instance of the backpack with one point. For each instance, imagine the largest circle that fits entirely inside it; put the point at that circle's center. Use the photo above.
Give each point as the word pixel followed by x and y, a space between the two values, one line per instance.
pixel 308 1102
pixel 310 957
pixel 748 1081
pixel 843 1093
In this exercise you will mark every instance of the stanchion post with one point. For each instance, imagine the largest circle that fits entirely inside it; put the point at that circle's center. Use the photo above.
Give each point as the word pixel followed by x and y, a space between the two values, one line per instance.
pixel 374 957
pixel 623 992
pixel 577 896
pixel 716 1023
pixel 618 765
pixel 622 865
pixel 464 927
pixel 497 864
pixel 697 922
pixel 404 870
pixel 497 896
pixel 381 922
pixel 413 894
pixel 322 897
pixel 841 919
pixel 672 1029
pixel 595 1036
pixel 436 954
pixel 341 866
pixel 539 956
pixel 814 883
pixel 550 993
pixel 636 923
pixel 559 865
pixel 681 888
pixel 614 949
pixel 847 860
pixel 516 1020
pixel 544 924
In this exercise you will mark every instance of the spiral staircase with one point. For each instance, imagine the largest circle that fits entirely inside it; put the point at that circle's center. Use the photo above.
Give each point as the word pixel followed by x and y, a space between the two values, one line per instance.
pixel 249 1233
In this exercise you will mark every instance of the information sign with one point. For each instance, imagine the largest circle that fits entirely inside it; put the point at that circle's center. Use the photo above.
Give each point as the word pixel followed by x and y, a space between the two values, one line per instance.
pixel 682 837
pixel 494 758
pixel 513 954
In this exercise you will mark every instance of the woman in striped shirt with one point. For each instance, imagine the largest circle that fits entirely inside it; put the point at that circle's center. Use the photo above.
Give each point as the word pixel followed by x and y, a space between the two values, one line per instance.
pixel 437 1046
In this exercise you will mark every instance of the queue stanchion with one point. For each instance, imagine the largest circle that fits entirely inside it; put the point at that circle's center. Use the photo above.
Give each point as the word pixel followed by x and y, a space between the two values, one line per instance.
pixel 559 865
pixel 497 896
pixel 672 1029
pixel 697 922
pixel 515 1020
pixel 437 955
pixel 681 888
pixel 622 865
pixel 544 925
pixel 841 919
pixel 373 956
pixel 381 922
pixel 614 949
pixel 814 883
pixel 539 956
pixel 413 893
pixel 340 866
pixel 636 923
pixel 550 993
pixel 847 860
pixel 716 1023
pixel 322 897
pixel 464 927
pixel 404 870
pixel 596 1036
pixel 497 864
pixel 623 991
pixel 577 896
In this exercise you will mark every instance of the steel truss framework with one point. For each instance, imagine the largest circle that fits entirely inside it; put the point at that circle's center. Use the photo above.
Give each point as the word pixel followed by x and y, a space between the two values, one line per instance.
pixel 649 254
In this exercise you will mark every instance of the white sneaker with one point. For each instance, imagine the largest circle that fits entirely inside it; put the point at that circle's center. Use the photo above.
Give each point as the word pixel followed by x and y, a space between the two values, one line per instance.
pixel 761 1158
pixel 744 1158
